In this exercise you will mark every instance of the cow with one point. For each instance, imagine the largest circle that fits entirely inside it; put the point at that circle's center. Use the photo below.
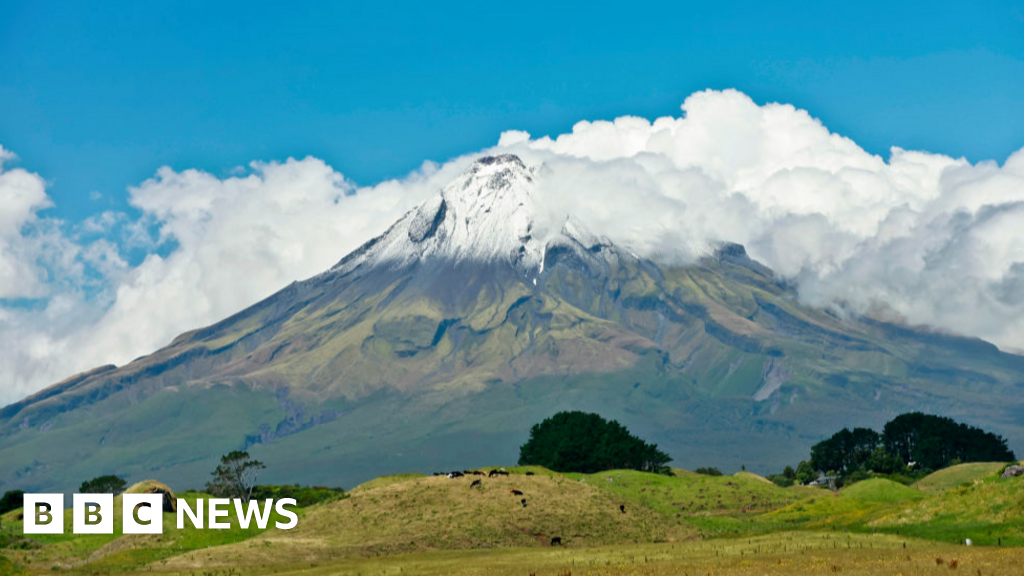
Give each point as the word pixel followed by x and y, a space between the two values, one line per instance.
pixel 478 473
pixel 622 508
pixel 455 474
pixel 516 492
pixel 523 502
pixel 477 482
pixel 492 473
pixel 556 541
pixel 529 473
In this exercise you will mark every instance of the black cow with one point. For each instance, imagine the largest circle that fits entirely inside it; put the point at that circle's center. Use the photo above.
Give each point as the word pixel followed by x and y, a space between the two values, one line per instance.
pixel 477 482
pixel 516 492
pixel 523 502
pixel 556 541
pixel 529 473
pixel 622 508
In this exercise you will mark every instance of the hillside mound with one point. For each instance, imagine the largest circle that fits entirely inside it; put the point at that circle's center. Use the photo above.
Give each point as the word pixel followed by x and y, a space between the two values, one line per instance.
pixel 438 512
pixel 695 495
pixel 386 481
pixel 954 476
pixel 881 490
pixel 442 513
pixel 752 476
pixel 989 511
pixel 156 487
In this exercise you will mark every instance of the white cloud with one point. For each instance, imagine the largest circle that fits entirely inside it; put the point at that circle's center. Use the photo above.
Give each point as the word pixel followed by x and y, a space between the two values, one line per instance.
pixel 930 238
pixel 226 242
pixel 934 239
pixel 22 194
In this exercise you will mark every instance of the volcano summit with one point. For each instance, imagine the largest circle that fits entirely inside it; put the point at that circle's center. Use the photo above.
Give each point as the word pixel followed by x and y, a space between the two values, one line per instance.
pixel 438 344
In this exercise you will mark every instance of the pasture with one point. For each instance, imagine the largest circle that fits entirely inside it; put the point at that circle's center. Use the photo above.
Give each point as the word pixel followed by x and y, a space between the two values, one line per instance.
pixel 614 522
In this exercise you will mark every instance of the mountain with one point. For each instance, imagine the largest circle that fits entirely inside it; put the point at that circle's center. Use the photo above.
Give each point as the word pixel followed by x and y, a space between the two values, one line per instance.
pixel 438 344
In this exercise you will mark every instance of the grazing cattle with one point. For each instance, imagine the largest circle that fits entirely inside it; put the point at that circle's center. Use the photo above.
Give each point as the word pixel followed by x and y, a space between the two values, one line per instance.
pixel 492 473
pixel 523 502
pixel 622 508
pixel 477 482
pixel 556 541
pixel 529 473
pixel 478 473
pixel 455 474
pixel 516 492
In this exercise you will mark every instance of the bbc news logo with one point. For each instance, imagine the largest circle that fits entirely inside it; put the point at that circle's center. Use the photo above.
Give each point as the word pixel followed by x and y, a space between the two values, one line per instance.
pixel 143 513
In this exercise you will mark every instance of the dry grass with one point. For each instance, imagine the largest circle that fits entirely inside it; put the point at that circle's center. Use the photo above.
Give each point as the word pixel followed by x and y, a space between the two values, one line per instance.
pixel 783 554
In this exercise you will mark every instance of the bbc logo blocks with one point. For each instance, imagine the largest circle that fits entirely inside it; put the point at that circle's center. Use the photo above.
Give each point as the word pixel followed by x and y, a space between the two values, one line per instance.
pixel 143 514
pixel 94 514
pixel 44 513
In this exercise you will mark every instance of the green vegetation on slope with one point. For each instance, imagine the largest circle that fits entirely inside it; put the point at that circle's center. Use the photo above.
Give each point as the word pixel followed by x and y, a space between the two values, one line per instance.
pixel 989 510
pixel 640 522
pixel 715 504
pixel 947 478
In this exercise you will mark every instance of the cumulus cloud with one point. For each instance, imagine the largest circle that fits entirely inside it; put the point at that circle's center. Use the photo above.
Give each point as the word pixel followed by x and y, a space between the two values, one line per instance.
pixel 936 240
pixel 215 246
pixel 923 237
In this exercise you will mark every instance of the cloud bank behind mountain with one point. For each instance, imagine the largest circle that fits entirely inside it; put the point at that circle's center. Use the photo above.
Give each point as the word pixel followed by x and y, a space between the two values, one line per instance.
pixel 916 237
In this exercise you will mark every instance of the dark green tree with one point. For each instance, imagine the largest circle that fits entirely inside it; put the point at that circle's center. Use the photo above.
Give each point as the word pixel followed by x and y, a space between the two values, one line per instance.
pixel 846 451
pixel 235 477
pixel 934 442
pixel 582 442
pixel 708 471
pixel 109 484
pixel 12 500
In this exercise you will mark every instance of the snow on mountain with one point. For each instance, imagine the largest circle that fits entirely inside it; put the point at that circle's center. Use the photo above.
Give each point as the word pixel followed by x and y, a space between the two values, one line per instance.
pixel 487 214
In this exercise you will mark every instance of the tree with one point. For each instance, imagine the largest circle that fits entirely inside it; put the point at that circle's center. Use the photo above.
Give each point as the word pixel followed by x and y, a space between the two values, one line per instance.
pixel 109 484
pixel 934 442
pixel 805 472
pixel 582 442
pixel 235 477
pixel 12 500
pixel 708 471
pixel 846 450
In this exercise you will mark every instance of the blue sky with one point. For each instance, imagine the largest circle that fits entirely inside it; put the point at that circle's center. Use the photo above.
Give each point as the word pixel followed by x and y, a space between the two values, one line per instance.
pixel 105 255
pixel 96 96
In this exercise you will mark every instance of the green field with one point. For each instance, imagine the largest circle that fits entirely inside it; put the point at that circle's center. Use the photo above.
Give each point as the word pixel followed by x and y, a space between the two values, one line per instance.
pixel 614 522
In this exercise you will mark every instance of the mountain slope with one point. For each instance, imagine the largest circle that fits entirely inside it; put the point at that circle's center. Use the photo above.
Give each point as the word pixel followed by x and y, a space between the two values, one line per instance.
pixel 438 344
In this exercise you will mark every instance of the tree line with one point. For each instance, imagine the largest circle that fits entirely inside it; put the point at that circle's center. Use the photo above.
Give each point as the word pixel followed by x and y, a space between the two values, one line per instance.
pixel 912 444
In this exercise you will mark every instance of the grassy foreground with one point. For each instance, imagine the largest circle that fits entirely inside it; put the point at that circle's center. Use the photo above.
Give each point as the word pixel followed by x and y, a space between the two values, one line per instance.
pixel 615 522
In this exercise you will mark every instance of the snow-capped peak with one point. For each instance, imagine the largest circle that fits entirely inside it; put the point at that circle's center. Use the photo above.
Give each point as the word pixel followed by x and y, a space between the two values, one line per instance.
pixel 487 213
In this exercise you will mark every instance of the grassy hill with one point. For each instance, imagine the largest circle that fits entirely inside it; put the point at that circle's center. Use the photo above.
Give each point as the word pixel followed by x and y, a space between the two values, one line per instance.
pixel 954 476
pixel 989 510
